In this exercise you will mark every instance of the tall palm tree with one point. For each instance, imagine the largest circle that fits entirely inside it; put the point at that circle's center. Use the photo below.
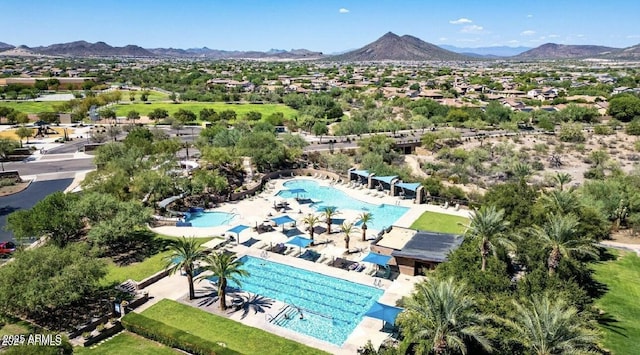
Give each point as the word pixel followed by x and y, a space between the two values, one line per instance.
pixel 185 253
pixel 489 227
pixel 561 179
pixel 329 213
pixel 311 220
pixel 545 327
pixel 226 267
pixel 559 236
pixel 346 228
pixel 440 318
pixel 365 217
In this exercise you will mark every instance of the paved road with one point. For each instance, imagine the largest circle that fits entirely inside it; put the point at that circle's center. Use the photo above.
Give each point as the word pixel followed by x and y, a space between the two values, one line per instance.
pixel 51 166
pixel 26 199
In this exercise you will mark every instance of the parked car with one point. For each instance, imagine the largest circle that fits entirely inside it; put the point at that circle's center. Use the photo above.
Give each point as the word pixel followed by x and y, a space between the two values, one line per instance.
pixel 7 248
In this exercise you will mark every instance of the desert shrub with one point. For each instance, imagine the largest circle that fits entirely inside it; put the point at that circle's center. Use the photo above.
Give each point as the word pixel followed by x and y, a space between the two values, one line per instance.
pixel 603 130
pixel 571 132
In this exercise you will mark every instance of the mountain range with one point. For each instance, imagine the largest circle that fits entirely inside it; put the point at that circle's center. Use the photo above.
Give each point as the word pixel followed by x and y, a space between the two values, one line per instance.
pixel 388 47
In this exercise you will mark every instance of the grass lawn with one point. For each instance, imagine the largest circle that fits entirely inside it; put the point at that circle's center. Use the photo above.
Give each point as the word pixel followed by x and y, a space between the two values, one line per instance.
pixel 15 327
pixel 622 277
pixel 240 109
pixel 237 336
pixel 31 106
pixel 440 222
pixel 126 343
pixel 140 270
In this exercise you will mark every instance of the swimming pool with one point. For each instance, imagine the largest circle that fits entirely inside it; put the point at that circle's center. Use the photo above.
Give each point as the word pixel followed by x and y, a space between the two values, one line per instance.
pixel 331 307
pixel 210 219
pixel 383 215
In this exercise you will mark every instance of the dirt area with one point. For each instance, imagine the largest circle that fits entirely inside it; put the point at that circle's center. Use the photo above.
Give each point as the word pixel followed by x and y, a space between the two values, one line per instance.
pixel 10 190
pixel 626 237
pixel 574 157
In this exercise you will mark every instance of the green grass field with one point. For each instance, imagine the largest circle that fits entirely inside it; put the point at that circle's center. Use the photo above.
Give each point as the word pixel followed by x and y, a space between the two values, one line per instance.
pixel 30 106
pixel 236 336
pixel 240 109
pixel 622 278
pixel 440 222
pixel 141 270
pixel 126 343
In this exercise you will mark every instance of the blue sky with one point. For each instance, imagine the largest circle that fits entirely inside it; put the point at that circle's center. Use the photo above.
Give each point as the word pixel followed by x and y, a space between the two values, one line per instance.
pixel 321 25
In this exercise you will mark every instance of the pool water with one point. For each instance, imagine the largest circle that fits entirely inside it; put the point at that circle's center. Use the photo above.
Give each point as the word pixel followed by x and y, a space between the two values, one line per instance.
pixel 210 219
pixel 383 215
pixel 331 307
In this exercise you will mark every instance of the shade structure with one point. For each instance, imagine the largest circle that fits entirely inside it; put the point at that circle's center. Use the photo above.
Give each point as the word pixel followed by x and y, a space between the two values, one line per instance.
pixel 413 186
pixel 384 312
pixel 296 191
pixel 378 259
pixel 282 220
pixel 299 241
pixel 337 220
pixel 385 179
pixel 237 229
pixel 363 173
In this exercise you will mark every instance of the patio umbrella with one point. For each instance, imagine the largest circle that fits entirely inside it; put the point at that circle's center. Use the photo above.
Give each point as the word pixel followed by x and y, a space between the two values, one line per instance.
pixel 378 259
pixel 237 229
pixel 282 220
pixel 299 241
pixel 384 312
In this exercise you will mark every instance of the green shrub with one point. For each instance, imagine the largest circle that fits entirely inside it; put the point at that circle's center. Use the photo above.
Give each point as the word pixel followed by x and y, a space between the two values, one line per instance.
pixel 172 337
pixel 602 130
pixel 7 182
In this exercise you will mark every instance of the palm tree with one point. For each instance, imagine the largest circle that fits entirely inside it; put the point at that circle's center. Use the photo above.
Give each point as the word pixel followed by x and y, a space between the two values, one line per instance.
pixel 226 267
pixel 329 213
pixel 561 201
pixel 562 179
pixel 559 237
pixel 346 228
pixel 185 253
pixel 311 220
pixel 489 226
pixel 365 217
pixel 545 327
pixel 440 318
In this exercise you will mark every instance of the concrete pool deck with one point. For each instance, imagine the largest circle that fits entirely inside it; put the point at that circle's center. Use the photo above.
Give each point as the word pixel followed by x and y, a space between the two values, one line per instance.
pixel 253 211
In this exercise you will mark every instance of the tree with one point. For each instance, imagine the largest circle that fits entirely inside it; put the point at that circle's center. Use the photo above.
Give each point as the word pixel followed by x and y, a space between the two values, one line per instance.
pixel 624 107
pixel 184 116
pixel 559 237
pixel 107 113
pixel 226 267
pixel 328 213
pixel 440 318
pixel 158 114
pixel 320 128
pixel 113 131
pixel 185 253
pixel 562 179
pixel 45 279
pixel 133 116
pixel 489 227
pixel 24 132
pixel 633 127
pixel 346 228
pixel 571 132
pixel 311 220
pixel 365 217
pixel 546 327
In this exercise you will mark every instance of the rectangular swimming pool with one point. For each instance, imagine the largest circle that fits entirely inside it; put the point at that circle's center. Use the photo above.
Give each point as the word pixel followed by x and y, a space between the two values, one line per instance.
pixel 331 307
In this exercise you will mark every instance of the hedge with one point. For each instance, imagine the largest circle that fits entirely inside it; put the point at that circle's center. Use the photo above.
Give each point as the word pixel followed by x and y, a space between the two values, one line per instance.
pixel 172 337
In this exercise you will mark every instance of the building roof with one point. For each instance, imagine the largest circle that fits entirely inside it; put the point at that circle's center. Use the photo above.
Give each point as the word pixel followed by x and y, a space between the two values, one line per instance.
pixel 429 246
pixel 396 238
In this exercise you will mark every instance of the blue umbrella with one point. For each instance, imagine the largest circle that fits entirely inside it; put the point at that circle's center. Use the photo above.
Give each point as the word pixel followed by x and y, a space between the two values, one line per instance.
pixel 282 220
pixel 237 229
pixel 299 241
pixel 384 312
pixel 378 259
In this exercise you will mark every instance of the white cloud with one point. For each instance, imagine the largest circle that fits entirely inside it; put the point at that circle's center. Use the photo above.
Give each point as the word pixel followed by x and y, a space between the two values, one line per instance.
pixel 553 36
pixel 529 16
pixel 460 21
pixel 633 36
pixel 343 10
pixel 442 38
pixel 472 29
pixel 527 33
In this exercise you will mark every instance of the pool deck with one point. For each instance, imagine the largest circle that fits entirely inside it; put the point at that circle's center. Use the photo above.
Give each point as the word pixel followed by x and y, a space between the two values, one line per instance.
pixel 253 211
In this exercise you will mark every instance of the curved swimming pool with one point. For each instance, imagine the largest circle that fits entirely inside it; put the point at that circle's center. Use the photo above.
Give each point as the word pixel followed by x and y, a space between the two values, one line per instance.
pixel 210 219
pixel 383 215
